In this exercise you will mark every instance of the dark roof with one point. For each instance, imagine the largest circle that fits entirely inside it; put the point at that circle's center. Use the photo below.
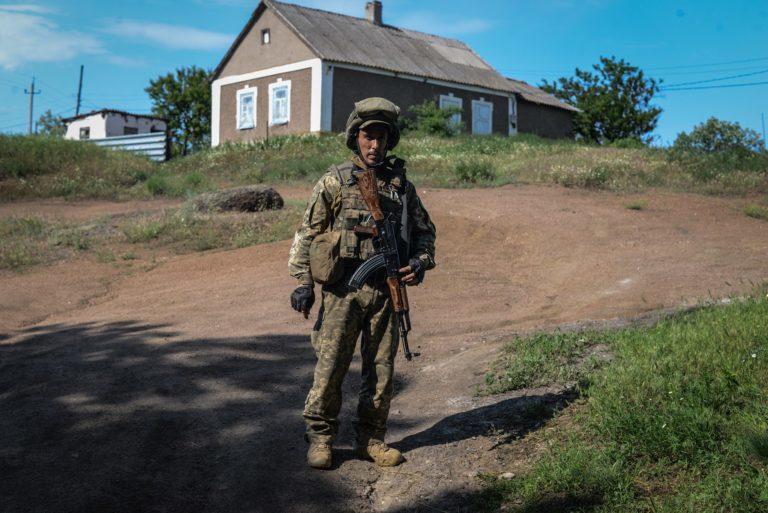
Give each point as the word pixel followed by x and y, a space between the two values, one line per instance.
pixel 113 111
pixel 536 95
pixel 330 35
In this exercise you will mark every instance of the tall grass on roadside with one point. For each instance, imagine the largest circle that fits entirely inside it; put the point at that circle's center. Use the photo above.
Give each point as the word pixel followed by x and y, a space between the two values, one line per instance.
pixel 28 241
pixel 677 422
pixel 45 167
pixel 186 230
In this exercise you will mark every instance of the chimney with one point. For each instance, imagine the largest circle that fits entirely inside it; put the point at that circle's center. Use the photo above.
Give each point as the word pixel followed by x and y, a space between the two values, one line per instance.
pixel 373 12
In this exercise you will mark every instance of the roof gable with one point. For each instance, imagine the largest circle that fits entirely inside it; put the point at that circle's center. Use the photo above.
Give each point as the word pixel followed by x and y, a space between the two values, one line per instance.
pixel 347 39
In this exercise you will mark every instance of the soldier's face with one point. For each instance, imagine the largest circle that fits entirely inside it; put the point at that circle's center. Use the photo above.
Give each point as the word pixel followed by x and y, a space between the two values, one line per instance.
pixel 372 141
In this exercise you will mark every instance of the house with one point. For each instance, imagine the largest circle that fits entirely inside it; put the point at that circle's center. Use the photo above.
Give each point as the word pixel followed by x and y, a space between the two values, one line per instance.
pixel 100 124
pixel 296 69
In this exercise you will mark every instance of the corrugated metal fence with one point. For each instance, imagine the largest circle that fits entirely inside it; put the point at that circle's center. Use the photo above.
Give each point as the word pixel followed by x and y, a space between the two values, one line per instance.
pixel 154 145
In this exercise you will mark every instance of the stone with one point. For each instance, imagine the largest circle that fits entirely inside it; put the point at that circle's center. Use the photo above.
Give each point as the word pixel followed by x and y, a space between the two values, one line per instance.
pixel 251 198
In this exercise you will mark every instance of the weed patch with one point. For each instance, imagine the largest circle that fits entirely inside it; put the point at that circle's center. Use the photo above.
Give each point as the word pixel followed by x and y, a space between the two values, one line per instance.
pixel 757 211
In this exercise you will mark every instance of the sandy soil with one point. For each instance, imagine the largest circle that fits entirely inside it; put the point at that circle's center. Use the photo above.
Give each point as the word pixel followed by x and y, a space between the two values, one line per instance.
pixel 180 388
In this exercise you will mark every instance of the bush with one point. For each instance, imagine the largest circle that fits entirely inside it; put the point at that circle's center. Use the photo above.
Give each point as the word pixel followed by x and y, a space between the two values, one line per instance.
pixel 474 171
pixel 429 119
pixel 718 136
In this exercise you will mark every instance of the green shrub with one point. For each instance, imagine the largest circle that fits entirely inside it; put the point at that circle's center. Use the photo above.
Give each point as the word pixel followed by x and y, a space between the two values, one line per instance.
pixel 757 212
pixel 429 119
pixel 474 171
pixel 158 185
pixel 143 230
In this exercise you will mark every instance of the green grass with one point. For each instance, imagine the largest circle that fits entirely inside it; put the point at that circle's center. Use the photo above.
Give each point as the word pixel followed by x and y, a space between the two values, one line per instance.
pixel 543 359
pixel 678 421
pixel 44 167
pixel 29 241
pixel 757 211
pixel 185 230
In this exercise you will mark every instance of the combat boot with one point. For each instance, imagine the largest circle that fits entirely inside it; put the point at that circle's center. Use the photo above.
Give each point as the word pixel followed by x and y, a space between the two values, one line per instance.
pixel 381 454
pixel 319 455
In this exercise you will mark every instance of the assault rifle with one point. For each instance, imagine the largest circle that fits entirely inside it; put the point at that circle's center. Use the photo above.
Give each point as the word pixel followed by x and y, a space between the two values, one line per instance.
pixel 386 257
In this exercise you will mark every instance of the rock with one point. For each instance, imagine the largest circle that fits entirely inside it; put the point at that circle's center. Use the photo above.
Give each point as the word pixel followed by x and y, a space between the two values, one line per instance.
pixel 507 475
pixel 252 198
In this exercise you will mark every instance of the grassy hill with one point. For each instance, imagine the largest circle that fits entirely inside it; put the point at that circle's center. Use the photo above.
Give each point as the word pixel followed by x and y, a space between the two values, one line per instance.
pixel 44 167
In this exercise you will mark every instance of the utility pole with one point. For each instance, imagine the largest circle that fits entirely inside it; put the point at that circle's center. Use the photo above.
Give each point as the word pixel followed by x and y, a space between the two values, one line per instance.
pixel 79 91
pixel 31 94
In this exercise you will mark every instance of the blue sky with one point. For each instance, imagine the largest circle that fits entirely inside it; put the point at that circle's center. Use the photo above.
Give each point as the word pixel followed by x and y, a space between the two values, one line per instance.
pixel 125 44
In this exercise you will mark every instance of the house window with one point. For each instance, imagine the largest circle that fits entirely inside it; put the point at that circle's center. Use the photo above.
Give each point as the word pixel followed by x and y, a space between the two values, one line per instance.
pixel 265 37
pixel 246 108
pixel 130 130
pixel 482 117
pixel 279 102
pixel 452 101
pixel 85 133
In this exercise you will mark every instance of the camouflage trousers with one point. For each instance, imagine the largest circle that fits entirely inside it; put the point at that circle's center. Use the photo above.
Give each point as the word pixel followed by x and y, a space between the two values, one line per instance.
pixel 345 314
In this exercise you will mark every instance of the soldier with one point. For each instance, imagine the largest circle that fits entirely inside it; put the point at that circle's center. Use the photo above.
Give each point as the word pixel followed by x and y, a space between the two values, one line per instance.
pixel 337 206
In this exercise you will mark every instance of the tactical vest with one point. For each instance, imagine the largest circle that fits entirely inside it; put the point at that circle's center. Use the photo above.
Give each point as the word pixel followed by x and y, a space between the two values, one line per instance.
pixel 353 211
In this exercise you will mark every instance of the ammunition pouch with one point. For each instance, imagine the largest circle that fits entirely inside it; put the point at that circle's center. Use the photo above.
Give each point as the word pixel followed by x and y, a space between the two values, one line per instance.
pixel 324 258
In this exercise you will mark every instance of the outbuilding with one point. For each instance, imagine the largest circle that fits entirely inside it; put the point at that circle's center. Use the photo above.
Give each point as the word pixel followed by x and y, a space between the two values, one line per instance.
pixel 100 124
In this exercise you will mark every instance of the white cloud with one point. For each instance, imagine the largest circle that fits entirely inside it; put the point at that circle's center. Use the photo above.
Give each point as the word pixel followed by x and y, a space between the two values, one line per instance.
pixel 33 8
pixel 172 36
pixel 26 36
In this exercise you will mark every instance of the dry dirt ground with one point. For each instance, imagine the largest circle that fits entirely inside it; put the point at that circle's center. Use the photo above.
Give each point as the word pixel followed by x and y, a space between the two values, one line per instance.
pixel 178 386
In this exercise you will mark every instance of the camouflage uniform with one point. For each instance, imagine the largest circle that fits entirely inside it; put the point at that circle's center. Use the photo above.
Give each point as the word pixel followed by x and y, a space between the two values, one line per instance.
pixel 345 313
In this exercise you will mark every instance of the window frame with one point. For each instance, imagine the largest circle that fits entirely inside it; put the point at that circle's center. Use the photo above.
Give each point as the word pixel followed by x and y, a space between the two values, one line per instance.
pixel 246 91
pixel 84 130
pixel 280 84
pixel 266 36
pixel 482 101
pixel 451 98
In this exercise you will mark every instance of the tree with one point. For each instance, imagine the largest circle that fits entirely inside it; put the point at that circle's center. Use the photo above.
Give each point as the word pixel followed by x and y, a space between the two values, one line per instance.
pixel 615 101
pixel 48 124
pixel 183 98
pixel 719 136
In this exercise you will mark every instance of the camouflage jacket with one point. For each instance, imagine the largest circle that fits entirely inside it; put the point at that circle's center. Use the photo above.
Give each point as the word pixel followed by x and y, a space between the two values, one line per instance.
pixel 325 207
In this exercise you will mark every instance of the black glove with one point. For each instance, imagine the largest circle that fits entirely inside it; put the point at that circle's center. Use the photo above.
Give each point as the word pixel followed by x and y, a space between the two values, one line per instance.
pixel 417 268
pixel 302 299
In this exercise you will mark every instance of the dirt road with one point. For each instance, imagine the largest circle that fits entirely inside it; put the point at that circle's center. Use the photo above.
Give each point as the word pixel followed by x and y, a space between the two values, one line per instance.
pixel 180 388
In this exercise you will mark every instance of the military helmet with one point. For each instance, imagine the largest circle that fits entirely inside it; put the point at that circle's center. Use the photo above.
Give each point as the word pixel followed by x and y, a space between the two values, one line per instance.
pixel 372 111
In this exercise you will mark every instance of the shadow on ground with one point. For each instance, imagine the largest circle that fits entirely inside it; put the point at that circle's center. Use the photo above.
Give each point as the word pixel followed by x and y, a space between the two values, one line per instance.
pixel 129 417
pixel 508 418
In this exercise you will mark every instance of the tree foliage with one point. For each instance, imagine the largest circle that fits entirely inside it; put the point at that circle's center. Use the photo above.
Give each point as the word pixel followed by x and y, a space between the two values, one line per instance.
pixel 427 118
pixel 48 124
pixel 183 98
pixel 719 136
pixel 615 101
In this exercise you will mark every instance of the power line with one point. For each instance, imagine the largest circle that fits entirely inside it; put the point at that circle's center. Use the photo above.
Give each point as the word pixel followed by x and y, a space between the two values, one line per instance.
pixel 742 61
pixel 717 79
pixel 722 86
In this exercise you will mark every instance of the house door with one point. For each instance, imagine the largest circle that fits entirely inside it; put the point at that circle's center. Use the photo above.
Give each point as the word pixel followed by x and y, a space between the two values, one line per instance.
pixel 482 114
